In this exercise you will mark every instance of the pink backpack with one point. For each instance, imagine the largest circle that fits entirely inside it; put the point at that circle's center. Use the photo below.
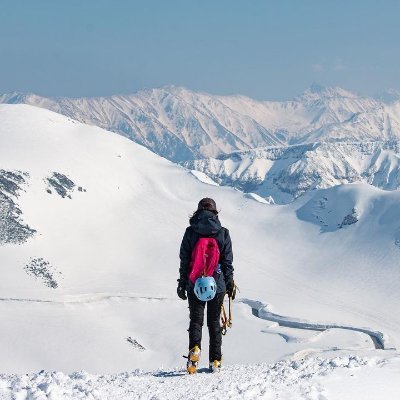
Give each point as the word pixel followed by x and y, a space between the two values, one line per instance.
pixel 205 257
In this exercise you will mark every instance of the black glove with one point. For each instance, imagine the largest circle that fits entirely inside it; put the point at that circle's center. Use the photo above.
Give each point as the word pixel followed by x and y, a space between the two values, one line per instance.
pixel 231 289
pixel 181 290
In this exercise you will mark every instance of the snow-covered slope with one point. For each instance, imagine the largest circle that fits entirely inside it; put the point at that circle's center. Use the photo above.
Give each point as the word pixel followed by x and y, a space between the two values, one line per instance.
pixel 286 173
pixel 88 259
pixel 180 124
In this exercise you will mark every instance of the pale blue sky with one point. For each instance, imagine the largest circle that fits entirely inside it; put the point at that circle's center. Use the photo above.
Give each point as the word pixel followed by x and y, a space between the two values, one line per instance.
pixel 271 49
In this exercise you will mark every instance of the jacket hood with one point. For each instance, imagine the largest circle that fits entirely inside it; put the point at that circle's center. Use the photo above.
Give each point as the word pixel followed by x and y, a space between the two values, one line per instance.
pixel 205 222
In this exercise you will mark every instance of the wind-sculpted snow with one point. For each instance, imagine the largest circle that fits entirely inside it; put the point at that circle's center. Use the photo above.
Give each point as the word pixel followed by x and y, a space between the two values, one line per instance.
pixel 260 310
pixel 298 379
pixel 285 173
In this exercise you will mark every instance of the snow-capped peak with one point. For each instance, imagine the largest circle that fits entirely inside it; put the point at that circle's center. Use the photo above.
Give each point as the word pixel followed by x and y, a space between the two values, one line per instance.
pixel 317 91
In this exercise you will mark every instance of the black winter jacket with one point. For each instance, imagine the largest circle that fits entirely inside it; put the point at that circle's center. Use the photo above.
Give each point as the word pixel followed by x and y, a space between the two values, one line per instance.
pixel 205 223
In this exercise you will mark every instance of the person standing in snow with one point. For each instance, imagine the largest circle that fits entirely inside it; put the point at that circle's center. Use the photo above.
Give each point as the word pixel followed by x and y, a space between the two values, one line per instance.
pixel 205 223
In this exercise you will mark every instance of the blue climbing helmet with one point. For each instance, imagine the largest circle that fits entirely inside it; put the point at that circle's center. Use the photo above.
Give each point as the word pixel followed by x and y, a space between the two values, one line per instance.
pixel 205 288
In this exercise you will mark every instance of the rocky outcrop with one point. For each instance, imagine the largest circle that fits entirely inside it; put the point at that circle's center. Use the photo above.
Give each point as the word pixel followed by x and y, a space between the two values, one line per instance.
pixel 12 228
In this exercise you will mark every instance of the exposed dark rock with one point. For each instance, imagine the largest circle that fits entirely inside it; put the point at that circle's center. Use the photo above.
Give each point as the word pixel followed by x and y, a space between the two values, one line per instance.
pixel 42 270
pixel 12 229
pixel 11 181
pixel 135 344
pixel 61 184
pixel 350 219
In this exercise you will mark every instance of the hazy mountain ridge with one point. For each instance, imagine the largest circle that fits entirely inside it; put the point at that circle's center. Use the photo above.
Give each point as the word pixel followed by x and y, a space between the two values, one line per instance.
pixel 180 124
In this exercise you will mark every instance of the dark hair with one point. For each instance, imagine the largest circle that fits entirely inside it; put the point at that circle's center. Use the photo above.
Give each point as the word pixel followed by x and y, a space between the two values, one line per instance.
pixel 206 204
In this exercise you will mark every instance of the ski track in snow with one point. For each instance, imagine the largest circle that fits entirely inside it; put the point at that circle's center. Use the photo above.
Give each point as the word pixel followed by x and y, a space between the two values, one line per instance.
pixel 85 298
pixel 289 379
pixel 259 310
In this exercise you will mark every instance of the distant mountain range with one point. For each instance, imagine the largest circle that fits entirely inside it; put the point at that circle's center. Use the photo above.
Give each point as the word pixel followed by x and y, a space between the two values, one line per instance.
pixel 223 136
pixel 285 173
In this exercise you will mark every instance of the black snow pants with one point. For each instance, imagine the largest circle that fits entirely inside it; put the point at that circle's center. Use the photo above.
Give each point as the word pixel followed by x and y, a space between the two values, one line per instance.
pixel 196 310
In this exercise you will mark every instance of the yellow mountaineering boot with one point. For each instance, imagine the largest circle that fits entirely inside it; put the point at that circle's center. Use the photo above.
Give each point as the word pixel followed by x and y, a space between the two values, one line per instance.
pixel 193 359
pixel 215 366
